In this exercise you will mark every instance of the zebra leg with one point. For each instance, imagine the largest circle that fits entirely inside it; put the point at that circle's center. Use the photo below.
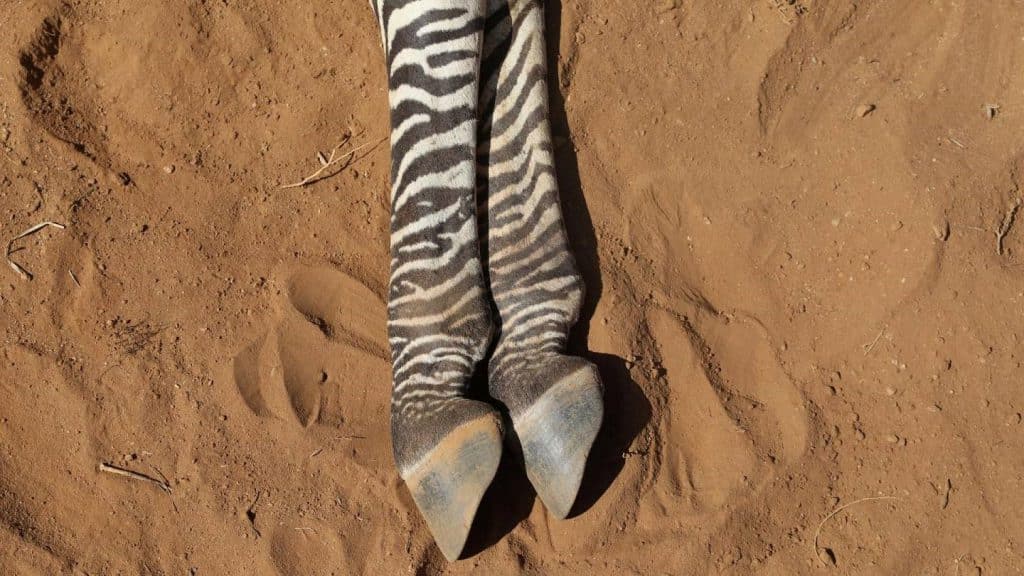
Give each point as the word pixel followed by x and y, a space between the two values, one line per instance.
pixel 447 447
pixel 554 400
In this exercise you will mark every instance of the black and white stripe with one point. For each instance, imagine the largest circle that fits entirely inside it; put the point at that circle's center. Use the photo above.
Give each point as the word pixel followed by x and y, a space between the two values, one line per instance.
pixel 438 314
pixel 532 274
pixel 471 150
pixel 555 401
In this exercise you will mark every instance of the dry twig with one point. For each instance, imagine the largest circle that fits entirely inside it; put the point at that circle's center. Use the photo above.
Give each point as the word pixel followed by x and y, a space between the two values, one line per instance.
pixel 870 347
pixel 1004 228
pixel 957 563
pixel 817 533
pixel 326 163
pixel 320 450
pixel 116 470
pixel 10 246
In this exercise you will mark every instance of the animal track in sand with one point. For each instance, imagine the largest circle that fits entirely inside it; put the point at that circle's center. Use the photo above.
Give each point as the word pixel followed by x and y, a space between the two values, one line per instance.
pixel 54 89
pixel 732 417
pixel 312 548
pixel 325 360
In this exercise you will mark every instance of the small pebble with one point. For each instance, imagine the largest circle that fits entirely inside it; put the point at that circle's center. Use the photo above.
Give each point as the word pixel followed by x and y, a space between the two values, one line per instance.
pixel 169 169
pixel 864 109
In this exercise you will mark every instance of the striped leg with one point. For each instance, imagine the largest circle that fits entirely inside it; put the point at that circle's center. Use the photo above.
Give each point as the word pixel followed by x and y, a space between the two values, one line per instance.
pixel 447 447
pixel 554 400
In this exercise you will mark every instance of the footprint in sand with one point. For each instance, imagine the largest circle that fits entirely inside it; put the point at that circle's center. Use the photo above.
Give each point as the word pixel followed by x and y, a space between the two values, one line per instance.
pixel 732 418
pixel 313 549
pixel 325 360
pixel 51 89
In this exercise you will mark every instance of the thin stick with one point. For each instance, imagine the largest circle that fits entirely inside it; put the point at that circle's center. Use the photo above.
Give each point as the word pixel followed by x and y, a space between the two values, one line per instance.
pixel 10 246
pixel 873 342
pixel 957 563
pixel 73 277
pixel 8 156
pixel 116 470
pixel 817 532
pixel 320 450
pixel 1004 228
pixel 325 164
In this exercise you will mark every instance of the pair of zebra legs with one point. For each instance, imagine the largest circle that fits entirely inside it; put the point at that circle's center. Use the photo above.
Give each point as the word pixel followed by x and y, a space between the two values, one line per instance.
pixel 478 251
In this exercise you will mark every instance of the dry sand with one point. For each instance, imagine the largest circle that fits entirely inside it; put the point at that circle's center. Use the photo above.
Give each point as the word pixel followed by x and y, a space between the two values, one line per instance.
pixel 795 220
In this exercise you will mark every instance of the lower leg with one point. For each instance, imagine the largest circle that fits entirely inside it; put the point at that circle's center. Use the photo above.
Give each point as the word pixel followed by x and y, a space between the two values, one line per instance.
pixel 554 400
pixel 447 447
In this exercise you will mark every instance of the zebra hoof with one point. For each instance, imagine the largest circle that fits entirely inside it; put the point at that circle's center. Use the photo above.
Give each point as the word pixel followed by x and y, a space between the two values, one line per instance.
pixel 556 433
pixel 449 482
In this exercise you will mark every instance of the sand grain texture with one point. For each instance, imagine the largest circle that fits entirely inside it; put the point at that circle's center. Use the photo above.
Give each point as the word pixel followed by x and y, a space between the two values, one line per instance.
pixel 805 288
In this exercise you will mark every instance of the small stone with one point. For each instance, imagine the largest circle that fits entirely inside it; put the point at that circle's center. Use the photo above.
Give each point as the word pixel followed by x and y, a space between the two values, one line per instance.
pixel 864 109
pixel 991 110
pixel 666 6
pixel 169 169
pixel 892 439
pixel 890 391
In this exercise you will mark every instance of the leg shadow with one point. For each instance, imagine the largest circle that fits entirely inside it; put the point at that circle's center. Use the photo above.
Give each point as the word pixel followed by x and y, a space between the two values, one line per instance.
pixel 627 410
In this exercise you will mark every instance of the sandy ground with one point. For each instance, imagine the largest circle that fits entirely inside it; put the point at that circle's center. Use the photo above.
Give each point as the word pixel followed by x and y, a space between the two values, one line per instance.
pixel 796 221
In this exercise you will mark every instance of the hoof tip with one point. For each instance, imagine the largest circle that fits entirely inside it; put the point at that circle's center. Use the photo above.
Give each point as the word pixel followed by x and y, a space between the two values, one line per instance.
pixel 449 482
pixel 556 434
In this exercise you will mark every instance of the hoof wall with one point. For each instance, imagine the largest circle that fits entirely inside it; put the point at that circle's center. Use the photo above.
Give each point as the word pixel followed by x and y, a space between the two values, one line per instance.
pixel 556 434
pixel 449 482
